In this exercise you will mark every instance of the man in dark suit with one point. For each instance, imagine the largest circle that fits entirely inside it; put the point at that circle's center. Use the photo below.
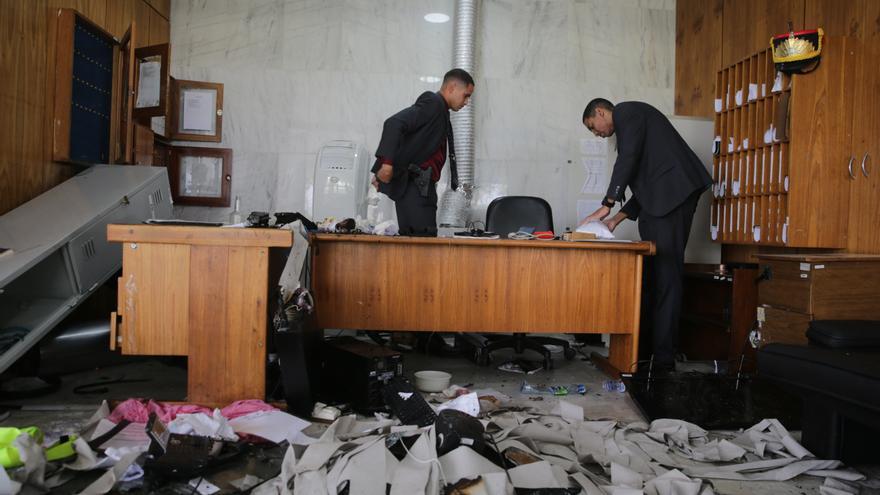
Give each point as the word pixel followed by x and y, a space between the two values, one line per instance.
pixel 412 152
pixel 666 179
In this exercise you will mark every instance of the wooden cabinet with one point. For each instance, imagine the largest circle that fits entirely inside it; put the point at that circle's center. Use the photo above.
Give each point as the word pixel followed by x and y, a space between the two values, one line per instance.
pixel 863 235
pixel 798 288
pixel 718 312
pixel 91 119
pixel 782 170
pixel 200 292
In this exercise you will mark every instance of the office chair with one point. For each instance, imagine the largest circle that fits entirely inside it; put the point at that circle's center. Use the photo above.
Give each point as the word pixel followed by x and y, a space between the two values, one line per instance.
pixel 503 216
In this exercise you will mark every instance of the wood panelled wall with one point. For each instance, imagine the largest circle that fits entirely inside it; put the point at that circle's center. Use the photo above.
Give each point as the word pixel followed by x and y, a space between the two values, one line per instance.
pixel 26 60
pixel 713 34
pixel 697 22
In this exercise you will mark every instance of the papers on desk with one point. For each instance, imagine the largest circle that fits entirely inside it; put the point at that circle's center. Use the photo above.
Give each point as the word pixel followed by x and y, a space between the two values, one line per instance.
pixel 599 229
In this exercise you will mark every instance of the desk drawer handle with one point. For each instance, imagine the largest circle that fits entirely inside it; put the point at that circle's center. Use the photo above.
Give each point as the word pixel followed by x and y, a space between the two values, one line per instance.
pixel 849 167
pixel 864 160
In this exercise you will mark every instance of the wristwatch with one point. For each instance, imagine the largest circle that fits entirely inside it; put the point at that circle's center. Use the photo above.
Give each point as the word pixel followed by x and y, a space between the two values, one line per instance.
pixel 607 202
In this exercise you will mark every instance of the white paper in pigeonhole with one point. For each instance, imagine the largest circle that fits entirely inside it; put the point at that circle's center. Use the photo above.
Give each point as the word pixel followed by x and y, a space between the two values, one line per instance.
pixel 753 92
pixel 275 426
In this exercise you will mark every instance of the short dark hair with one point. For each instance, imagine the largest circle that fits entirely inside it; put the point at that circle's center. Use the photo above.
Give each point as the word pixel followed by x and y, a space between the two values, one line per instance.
pixel 595 103
pixel 460 75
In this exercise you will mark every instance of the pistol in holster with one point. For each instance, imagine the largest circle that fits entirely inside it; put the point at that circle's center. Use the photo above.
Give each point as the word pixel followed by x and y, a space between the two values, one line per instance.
pixel 421 177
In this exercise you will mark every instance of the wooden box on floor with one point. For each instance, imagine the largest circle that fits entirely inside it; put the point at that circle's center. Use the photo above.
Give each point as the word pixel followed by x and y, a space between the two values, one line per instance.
pixel 200 292
pixel 803 287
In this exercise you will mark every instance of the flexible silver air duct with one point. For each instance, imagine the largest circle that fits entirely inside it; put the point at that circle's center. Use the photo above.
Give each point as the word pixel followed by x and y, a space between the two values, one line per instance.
pixel 455 205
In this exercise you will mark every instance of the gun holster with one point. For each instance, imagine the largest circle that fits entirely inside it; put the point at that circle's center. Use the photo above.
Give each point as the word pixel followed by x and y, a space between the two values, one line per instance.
pixel 421 177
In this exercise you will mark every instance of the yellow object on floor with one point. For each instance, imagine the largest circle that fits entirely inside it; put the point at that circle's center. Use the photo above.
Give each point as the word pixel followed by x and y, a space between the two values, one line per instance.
pixel 9 457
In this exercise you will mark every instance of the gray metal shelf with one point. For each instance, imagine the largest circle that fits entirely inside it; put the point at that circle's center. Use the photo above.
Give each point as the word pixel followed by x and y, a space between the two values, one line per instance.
pixel 60 249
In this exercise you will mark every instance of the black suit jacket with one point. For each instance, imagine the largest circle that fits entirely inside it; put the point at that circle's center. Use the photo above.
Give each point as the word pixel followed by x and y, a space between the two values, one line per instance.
pixel 411 136
pixel 653 160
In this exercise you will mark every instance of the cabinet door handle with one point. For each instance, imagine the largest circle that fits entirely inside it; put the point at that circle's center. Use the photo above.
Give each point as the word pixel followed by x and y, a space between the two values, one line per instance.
pixel 849 167
pixel 864 160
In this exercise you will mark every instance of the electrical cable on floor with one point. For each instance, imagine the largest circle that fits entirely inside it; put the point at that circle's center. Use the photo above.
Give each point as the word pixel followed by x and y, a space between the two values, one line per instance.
pixel 425 461
pixel 99 388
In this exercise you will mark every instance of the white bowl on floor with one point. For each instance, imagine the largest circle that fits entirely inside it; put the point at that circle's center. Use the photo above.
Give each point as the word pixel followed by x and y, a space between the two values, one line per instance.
pixel 432 381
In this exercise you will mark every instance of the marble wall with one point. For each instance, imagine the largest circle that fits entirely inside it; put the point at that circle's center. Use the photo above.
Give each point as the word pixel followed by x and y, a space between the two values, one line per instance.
pixel 299 73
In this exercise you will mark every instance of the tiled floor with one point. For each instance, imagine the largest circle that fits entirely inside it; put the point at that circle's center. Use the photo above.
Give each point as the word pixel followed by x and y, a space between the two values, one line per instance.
pixel 63 410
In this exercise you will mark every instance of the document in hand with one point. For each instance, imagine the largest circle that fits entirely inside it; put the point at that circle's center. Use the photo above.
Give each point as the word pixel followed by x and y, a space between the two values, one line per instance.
pixel 597 228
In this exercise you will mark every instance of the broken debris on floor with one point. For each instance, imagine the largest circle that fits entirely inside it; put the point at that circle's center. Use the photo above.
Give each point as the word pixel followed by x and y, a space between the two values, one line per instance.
pixel 473 442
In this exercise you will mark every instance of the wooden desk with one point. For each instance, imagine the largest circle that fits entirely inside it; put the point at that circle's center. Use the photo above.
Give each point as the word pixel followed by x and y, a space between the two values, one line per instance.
pixel 200 292
pixel 470 285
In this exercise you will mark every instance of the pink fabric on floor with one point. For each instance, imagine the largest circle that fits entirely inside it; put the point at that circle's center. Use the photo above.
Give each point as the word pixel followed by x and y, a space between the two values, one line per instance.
pixel 138 410
pixel 242 407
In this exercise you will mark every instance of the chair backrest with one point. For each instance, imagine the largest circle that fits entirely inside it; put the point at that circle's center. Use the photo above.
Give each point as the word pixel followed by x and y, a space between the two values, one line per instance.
pixel 508 213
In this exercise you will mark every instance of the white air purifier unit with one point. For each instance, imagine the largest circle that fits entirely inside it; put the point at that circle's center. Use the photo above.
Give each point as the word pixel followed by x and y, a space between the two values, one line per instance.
pixel 341 181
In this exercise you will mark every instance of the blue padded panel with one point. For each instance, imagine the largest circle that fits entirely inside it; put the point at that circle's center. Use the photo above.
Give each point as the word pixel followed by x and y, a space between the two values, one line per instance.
pixel 91 95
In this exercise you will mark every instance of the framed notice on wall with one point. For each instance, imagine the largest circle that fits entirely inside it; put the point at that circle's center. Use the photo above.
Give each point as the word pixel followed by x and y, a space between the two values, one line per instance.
pixel 153 80
pixel 197 111
pixel 200 176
